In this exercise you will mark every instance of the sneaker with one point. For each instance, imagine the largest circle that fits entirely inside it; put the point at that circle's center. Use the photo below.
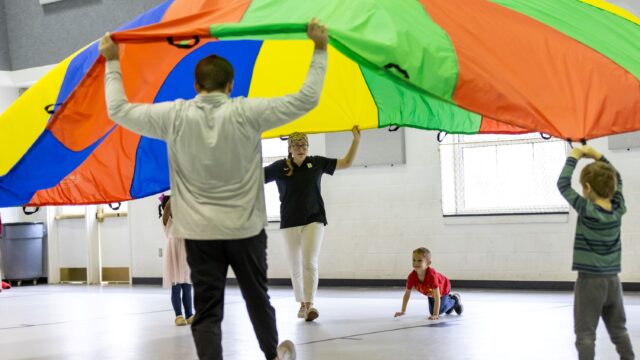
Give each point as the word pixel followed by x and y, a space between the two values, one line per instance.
pixel 311 314
pixel 180 321
pixel 458 307
pixel 286 350
pixel 301 312
pixel 190 319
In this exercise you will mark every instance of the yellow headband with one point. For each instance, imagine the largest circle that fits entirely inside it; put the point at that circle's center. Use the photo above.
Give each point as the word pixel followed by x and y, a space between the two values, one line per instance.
pixel 298 136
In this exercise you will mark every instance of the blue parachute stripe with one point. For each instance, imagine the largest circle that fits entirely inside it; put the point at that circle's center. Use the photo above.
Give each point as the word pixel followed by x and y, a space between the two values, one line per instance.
pixel 43 166
pixel 151 174
pixel 82 62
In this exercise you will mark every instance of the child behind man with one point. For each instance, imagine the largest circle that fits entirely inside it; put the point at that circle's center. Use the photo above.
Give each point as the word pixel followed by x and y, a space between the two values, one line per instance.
pixel 432 284
pixel 596 251
pixel 177 274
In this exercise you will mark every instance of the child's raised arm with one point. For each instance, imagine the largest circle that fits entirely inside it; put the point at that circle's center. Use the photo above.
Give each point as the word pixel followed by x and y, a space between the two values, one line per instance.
pixel 405 301
pixel 564 181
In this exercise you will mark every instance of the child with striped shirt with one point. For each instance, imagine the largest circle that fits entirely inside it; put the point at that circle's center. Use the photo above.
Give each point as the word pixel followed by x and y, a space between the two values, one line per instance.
pixel 596 251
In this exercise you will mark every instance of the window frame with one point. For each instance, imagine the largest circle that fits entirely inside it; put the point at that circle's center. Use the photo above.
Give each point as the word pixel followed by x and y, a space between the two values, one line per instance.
pixel 273 216
pixel 461 142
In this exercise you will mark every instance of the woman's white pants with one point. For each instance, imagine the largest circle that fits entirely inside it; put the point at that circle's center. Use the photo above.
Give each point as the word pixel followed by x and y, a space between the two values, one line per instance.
pixel 303 249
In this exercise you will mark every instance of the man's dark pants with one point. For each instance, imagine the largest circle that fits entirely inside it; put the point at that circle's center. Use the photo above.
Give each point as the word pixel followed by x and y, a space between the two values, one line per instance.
pixel 209 261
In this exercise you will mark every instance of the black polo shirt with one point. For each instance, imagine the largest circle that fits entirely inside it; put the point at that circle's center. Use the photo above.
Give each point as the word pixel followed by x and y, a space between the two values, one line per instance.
pixel 300 197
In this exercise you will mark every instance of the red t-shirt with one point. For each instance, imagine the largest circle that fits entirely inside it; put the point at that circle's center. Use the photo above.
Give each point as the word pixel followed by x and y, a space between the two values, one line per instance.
pixel 432 280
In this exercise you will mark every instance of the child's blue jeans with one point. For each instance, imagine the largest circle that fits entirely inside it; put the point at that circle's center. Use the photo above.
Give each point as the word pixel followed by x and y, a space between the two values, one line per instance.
pixel 186 299
pixel 447 303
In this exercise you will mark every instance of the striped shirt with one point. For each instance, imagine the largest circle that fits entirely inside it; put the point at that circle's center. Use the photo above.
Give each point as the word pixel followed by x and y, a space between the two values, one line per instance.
pixel 597 247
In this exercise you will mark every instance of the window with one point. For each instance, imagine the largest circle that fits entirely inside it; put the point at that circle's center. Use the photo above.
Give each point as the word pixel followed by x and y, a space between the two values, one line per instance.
pixel 501 174
pixel 272 150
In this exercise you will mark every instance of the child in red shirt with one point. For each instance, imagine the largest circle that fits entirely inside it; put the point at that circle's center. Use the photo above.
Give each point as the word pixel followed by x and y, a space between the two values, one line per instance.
pixel 431 283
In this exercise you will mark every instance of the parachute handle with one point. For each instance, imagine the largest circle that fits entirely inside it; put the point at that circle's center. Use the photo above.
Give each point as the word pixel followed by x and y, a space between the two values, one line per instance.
pixel 398 68
pixel 50 108
pixel 545 136
pixel 394 128
pixel 441 133
pixel 583 141
pixel 182 44
pixel 24 210
pixel 115 207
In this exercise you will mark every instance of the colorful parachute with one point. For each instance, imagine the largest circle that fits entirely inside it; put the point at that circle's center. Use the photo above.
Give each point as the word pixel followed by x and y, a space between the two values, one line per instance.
pixel 568 68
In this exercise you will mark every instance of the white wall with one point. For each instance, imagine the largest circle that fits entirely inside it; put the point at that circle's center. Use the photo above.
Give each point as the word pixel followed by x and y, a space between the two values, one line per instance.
pixel 147 237
pixel 378 215
pixel 7 93
pixel 15 214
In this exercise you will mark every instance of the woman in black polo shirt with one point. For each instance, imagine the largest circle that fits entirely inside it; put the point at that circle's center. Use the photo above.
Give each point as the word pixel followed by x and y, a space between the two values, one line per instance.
pixel 302 213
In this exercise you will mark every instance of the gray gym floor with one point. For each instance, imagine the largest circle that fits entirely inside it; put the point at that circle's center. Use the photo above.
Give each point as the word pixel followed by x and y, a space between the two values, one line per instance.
pixel 121 322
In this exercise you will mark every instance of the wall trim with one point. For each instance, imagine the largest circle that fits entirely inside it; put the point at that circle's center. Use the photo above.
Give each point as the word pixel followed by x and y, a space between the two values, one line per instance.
pixel 146 281
pixel 456 284
pixel 39 281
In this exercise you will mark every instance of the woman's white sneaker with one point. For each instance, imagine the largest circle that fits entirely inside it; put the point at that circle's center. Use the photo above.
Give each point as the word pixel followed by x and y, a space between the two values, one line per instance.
pixel 311 314
pixel 302 312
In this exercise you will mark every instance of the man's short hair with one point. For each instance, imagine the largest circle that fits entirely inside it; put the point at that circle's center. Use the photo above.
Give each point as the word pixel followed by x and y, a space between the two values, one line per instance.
pixel 602 178
pixel 213 73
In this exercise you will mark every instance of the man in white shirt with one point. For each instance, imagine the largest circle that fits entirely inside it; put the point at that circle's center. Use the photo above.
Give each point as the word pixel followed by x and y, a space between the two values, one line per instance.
pixel 215 156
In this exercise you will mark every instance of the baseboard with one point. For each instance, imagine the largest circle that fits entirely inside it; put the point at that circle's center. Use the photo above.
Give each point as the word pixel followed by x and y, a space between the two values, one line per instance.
pixel 40 281
pixel 527 285
pixel 146 281
pixel 456 284
pixel 512 285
